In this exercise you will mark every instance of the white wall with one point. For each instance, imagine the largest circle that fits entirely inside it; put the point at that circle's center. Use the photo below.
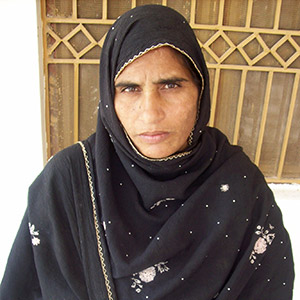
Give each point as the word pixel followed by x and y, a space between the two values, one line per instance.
pixel 288 199
pixel 21 156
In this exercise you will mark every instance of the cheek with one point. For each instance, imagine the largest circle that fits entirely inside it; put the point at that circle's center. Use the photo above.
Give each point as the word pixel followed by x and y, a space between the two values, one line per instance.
pixel 193 108
pixel 185 115
pixel 120 111
pixel 188 120
pixel 125 114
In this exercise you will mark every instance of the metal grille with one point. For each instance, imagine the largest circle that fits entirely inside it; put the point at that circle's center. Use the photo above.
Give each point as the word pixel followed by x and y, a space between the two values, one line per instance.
pixel 252 49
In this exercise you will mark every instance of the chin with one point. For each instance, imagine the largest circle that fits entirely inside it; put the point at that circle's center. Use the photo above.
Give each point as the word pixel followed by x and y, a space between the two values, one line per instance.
pixel 157 154
pixel 160 151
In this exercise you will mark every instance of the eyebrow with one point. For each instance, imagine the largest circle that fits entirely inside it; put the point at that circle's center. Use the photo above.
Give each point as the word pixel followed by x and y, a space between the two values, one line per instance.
pixel 126 83
pixel 160 81
pixel 170 80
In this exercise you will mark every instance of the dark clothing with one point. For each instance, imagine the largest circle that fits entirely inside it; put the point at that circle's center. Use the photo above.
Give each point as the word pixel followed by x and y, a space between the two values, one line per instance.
pixel 55 252
pixel 220 248
pixel 184 226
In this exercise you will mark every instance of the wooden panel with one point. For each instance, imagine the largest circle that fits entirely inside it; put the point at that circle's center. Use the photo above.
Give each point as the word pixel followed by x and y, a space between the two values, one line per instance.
pixel 235 13
pixel 292 159
pixel 290 17
pixel 145 2
pixel 89 9
pixel 207 12
pixel 276 122
pixel 263 13
pixel 61 86
pixel 182 6
pixel 117 8
pixel 56 8
pixel 252 111
pixel 252 49
pixel 88 99
pixel 227 98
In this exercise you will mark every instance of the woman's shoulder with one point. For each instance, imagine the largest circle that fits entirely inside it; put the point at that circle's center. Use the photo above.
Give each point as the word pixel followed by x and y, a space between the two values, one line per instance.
pixel 63 158
pixel 233 163
pixel 65 167
pixel 69 157
pixel 227 152
pixel 59 186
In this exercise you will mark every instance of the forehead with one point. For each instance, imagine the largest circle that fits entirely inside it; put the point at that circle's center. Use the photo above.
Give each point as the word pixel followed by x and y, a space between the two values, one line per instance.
pixel 164 60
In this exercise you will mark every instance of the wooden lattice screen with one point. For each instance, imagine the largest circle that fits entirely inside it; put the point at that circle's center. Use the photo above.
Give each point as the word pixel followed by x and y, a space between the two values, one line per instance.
pixel 252 48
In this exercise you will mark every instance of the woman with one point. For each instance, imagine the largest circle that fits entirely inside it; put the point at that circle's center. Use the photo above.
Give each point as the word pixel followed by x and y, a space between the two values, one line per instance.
pixel 154 205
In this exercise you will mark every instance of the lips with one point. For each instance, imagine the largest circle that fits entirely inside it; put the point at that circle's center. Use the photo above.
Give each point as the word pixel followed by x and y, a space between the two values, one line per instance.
pixel 154 137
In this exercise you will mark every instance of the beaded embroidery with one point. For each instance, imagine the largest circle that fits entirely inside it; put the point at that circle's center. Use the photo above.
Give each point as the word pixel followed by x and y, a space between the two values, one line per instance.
pixel 148 275
pixel 224 188
pixel 158 203
pixel 265 238
pixel 34 233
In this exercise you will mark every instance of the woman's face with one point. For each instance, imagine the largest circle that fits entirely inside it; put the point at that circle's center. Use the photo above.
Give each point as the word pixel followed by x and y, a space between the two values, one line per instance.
pixel 156 102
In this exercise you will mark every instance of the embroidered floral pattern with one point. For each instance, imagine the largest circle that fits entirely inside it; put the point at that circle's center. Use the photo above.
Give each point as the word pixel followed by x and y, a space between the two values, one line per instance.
pixel 137 284
pixel 161 201
pixel 260 246
pixel 224 188
pixel 162 267
pixel 148 275
pixel 265 238
pixel 34 233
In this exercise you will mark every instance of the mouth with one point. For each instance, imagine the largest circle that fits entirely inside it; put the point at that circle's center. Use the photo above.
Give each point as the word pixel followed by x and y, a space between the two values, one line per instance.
pixel 154 137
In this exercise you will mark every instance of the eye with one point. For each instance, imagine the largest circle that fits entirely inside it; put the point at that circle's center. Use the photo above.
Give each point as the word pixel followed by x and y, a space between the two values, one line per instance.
pixel 171 85
pixel 129 89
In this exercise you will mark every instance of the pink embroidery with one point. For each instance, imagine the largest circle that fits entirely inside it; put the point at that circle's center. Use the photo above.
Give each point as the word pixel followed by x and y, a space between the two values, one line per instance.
pixel 148 275
pixel 265 238
pixel 260 246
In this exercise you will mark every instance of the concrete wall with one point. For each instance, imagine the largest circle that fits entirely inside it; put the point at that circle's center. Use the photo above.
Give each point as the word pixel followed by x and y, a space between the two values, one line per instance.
pixel 21 155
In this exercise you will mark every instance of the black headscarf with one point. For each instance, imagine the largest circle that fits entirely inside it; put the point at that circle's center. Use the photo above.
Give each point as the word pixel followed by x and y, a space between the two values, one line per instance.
pixel 134 34
pixel 196 225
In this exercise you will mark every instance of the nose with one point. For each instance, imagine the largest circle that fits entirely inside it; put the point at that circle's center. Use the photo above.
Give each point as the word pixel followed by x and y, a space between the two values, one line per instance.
pixel 152 107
